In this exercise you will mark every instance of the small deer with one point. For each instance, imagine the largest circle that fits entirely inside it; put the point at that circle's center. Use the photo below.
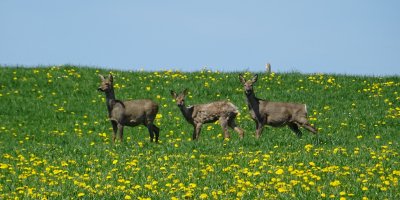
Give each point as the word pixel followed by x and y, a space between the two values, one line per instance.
pixel 197 115
pixel 275 114
pixel 128 113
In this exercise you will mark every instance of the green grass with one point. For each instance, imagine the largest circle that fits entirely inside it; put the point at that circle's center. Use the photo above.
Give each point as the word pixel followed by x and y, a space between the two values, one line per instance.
pixel 55 138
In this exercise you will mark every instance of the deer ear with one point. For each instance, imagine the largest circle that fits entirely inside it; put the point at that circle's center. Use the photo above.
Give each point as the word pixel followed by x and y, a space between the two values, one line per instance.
pixel 254 79
pixel 111 78
pixel 173 94
pixel 101 77
pixel 185 92
pixel 242 80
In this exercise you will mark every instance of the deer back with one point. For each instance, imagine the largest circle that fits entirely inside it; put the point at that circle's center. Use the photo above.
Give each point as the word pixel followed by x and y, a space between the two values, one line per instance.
pixel 279 113
pixel 213 111
pixel 134 112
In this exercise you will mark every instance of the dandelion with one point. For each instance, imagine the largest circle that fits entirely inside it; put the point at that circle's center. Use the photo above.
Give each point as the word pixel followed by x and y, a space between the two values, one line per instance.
pixel 4 166
pixel 203 196
pixel 81 194
pixel 334 183
pixel 282 189
pixel 279 171
pixel 308 147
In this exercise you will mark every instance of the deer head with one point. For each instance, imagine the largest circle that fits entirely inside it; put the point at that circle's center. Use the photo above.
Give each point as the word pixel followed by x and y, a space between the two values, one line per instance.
pixel 179 98
pixel 248 85
pixel 106 85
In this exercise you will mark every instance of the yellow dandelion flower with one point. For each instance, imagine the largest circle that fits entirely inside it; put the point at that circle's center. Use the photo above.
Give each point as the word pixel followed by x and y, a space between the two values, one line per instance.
pixel 282 189
pixel 4 166
pixel 203 196
pixel 81 194
pixel 279 171
pixel 192 185
pixel 334 183
pixel 308 147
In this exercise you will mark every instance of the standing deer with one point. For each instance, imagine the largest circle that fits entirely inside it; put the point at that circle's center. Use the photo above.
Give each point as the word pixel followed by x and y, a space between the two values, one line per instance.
pixel 128 113
pixel 275 114
pixel 198 115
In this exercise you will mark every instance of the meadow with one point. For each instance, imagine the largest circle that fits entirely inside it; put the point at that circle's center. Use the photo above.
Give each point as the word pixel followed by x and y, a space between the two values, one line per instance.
pixel 55 138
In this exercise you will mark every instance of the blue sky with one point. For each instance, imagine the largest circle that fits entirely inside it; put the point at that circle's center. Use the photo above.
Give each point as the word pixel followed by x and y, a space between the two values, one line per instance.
pixel 344 36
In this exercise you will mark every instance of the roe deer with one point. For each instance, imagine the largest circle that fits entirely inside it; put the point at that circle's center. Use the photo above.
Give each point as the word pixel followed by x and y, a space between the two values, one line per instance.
pixel 275 114
pixel 197 115
pixel 128 113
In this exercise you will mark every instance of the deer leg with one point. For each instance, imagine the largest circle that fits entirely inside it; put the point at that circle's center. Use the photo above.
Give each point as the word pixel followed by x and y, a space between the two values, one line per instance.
pixel 121 132
pixel 156 131
pixel 295 128
pixel 259 129
pixel 151 131
pixel 115 130
pixel 196 132
pixel 303 122
pixel 309 127
pixel 233 125
pixel 224 124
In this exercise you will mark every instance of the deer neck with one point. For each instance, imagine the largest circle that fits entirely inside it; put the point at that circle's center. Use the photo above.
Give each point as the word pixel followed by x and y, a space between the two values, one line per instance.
pixel 110 99
pixel 187 112
pixel 252 100
pixel 254 105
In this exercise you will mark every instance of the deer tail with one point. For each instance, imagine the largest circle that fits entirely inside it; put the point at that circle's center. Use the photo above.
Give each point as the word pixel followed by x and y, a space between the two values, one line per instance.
pixel 235 109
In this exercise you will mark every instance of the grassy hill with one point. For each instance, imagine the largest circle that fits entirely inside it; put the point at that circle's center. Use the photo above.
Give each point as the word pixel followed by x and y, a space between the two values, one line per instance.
pixel 55 138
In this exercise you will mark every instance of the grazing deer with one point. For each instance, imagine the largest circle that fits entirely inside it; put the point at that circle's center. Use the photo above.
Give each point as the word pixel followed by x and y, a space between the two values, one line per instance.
pixel 197 115
pixel 275 114
pixel 128 113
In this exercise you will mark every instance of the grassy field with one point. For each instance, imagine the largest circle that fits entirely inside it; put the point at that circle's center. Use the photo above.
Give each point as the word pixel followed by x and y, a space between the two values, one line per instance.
pixel 55 138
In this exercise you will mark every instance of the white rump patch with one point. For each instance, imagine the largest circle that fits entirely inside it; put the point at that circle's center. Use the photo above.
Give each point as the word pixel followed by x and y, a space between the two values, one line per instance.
pixel 231 104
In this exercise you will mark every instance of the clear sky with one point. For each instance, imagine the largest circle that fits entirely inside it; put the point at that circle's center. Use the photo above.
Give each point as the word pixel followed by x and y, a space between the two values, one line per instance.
pixel 341 36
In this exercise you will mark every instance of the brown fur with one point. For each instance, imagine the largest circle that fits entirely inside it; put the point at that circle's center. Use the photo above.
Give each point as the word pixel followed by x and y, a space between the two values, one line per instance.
pixel 275 114
pixel 197 115
pixel 129 113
